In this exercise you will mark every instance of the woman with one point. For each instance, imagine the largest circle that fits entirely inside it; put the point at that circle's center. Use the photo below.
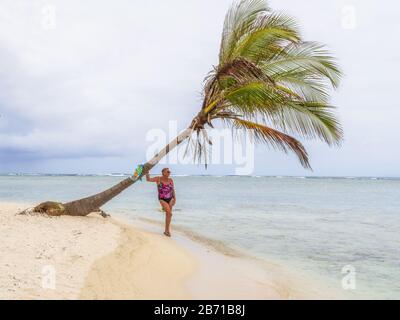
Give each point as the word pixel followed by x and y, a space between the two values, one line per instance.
pixel 166 195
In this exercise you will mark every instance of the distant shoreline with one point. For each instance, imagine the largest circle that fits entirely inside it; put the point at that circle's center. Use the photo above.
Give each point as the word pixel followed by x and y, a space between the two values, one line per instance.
pixel 12 174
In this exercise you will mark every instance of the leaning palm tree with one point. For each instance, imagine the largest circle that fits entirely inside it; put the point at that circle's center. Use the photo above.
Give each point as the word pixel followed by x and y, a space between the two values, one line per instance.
pixel 268 82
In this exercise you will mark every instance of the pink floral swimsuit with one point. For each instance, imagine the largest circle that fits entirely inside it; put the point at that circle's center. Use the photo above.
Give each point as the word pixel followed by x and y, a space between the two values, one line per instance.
pixel 166 191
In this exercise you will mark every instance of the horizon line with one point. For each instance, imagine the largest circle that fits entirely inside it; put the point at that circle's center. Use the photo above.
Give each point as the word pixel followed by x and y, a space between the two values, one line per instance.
pixel 122 174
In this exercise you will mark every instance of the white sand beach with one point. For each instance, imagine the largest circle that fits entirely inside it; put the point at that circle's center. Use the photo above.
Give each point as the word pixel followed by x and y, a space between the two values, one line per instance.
pixel 32 247
pixel 96 258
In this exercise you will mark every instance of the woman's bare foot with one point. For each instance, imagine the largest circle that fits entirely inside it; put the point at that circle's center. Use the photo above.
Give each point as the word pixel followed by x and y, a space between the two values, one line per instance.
pixel 166 233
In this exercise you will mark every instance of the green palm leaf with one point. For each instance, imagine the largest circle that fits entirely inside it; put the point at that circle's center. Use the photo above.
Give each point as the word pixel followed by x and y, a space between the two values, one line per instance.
pixel 310 57
pixel 268 76
pixel 274 138
pixel 238 21
pixel 268 31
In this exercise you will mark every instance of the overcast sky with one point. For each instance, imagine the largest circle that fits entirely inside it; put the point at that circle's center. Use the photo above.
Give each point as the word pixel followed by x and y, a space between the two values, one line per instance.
pixel 82 82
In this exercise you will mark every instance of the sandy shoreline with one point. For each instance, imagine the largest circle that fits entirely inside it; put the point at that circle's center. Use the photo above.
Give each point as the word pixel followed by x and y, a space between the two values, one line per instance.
pixel 143 266
pixel 96 258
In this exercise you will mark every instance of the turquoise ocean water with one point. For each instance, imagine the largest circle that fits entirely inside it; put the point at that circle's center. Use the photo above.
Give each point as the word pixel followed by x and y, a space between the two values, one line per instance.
pixel 315 225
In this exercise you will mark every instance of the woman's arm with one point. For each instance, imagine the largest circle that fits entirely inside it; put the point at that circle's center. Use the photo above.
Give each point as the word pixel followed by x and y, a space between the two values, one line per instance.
pixel 155 179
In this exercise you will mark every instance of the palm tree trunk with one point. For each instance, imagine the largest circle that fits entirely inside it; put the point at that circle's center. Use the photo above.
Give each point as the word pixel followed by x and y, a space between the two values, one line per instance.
pixel 84 206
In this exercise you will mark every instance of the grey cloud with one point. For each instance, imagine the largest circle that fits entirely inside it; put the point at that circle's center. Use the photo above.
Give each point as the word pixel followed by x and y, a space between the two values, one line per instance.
pixel 87 90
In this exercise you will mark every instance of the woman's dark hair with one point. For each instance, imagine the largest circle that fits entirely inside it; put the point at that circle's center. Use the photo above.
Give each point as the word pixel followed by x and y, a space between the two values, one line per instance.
pixel 162 171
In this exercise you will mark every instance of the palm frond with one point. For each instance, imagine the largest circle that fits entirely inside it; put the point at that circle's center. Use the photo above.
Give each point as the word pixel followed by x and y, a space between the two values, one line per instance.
pixel 198 146
pixel 252 99
pixel 303 83
pixel 285 109
pixel 238 21
pixel 305 56
pixel 231 74
pixel 268 76
pixel 275 139
pixel 240 70
pixel 265 38
pixel 310 120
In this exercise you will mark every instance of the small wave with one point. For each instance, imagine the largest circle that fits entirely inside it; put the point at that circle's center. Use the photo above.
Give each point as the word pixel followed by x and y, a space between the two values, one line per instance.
pixel 115 174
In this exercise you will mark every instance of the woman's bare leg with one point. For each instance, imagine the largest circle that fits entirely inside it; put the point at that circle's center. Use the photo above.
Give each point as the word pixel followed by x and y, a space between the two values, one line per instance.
pixel 168 216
